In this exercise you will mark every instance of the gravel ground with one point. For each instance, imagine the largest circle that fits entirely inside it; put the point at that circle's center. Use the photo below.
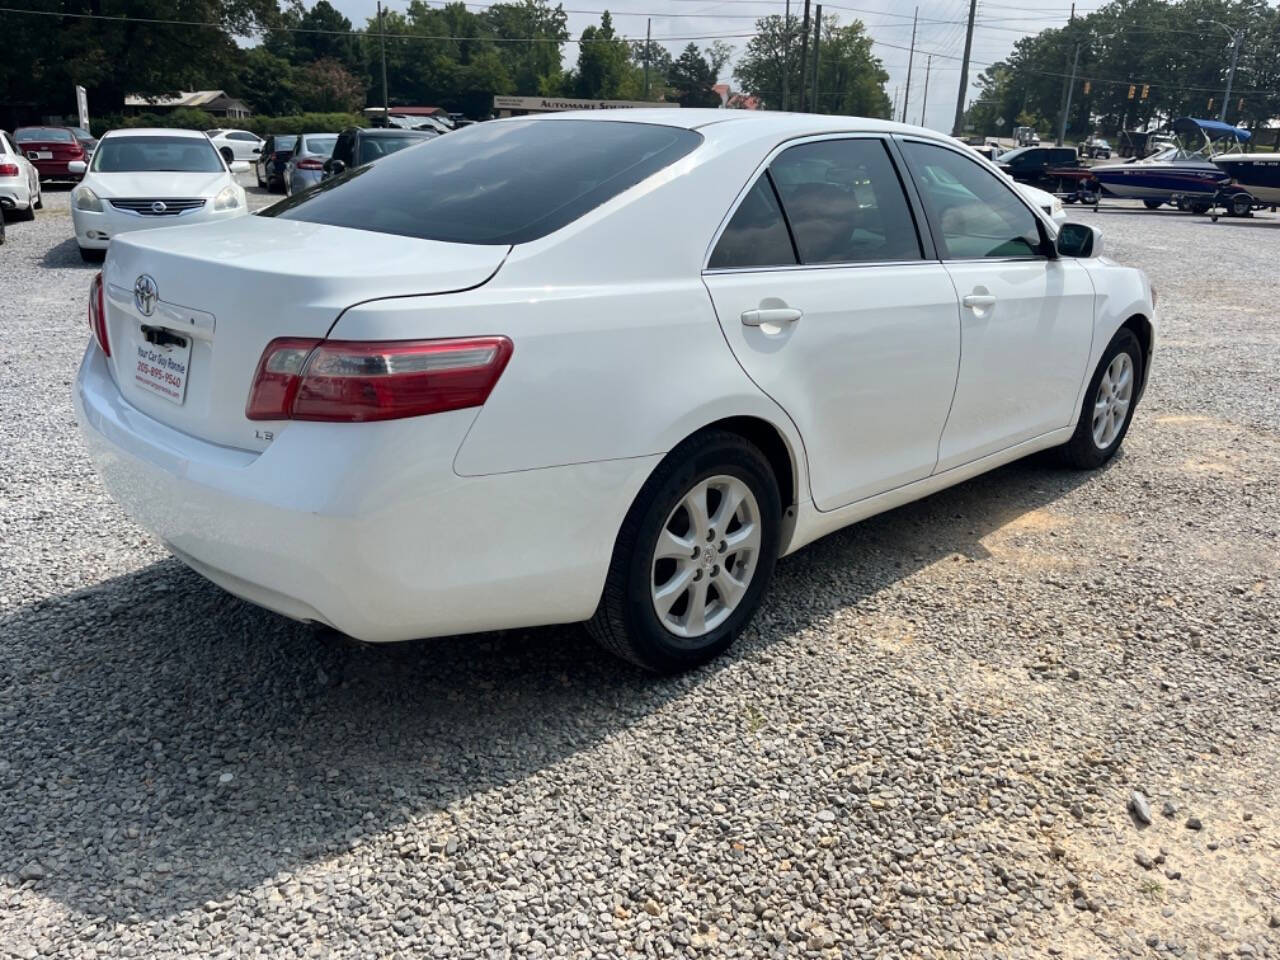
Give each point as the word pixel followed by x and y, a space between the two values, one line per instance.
pixel 926 746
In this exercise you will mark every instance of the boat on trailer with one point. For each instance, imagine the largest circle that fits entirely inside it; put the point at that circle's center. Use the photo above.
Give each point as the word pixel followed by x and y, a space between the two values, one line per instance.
pixel 1185 173
pixel 1258 173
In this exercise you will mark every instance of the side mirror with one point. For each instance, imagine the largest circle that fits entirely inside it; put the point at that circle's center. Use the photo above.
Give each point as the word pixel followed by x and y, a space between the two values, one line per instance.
pixel 1079 240
pixel 77 167
pixel 333 167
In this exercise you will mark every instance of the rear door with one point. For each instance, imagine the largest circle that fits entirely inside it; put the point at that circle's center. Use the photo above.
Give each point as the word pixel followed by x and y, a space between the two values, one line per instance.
pixel 831 301
pixel 1026 316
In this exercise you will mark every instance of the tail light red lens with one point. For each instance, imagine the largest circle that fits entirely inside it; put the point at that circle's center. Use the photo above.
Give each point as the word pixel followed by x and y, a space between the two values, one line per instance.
pixel 347 381
pixel 8 169
pixel 98 314
pixel 310 163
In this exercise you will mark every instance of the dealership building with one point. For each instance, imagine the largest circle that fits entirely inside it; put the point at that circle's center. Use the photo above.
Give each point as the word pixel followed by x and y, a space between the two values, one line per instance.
pixel 519 106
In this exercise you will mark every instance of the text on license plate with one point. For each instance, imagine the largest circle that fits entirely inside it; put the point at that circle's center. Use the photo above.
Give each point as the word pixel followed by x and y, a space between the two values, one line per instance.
pixel 162 368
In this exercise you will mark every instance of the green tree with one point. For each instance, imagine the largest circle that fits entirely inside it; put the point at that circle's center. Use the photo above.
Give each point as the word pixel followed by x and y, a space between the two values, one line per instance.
pixel 851 80
pixel 691 78
pixel 605 70
pixel 528 65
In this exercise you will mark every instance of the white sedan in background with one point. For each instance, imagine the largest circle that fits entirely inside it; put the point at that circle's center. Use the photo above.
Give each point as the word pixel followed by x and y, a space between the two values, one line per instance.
pixel 145 178
pixel 601 368
pixel 236 145
pixel 19 182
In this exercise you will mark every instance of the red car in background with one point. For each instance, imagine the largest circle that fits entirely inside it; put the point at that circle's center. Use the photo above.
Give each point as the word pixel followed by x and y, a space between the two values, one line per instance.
pixel 54 151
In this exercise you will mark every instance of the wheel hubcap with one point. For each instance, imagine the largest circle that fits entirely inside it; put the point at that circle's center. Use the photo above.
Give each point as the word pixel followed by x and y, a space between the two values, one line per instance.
pixel 1111 405
pixel 705 556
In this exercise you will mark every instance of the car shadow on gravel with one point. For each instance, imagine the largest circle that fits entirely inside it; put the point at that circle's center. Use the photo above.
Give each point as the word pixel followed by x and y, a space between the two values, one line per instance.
pixel 163 744
pixel 67 254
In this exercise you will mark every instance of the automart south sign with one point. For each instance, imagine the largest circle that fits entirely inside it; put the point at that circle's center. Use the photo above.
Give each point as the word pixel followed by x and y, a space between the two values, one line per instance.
pixel 506 106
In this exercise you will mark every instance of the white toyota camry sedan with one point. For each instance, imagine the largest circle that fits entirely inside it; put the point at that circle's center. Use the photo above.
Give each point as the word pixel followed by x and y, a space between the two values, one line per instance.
pixel 146 178
pixel 595 368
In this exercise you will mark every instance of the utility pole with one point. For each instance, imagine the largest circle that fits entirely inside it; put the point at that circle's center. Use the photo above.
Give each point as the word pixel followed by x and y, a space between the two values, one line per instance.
pixel 1063 105
pixel 786 57
pixel 804 50
pixel 817 53
pixel 1236 40
pixel 911 57
pixel 648 26
pixel 924 101
pixel 894 112
pixel 964 71
pixel 1071 89
pixel 382 42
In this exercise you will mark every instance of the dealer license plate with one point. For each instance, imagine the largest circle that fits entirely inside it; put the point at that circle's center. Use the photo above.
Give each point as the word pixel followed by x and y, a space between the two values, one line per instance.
pixel 162 367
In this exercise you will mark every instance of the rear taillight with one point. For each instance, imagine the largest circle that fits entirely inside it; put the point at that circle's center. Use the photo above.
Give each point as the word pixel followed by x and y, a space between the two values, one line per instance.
pixel 310 163
pixel 347 381
pixel 8 169
pixel 98 315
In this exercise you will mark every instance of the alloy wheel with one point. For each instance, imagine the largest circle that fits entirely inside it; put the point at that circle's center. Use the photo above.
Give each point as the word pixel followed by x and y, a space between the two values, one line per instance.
pixel 1111 405
pixel 705 556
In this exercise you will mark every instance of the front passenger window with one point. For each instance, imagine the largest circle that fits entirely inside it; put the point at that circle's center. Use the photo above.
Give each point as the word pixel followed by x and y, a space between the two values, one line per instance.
pixel 976 213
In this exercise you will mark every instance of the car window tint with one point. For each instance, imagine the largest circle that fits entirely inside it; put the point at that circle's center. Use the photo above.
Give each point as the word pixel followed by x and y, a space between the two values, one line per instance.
pixel 375 148
pixel 845 203
pixel 148 154
pixel 320 144
pixel 241 136
pixel 973 212
pixel 44 133
pixel 501 182
pixel 757 235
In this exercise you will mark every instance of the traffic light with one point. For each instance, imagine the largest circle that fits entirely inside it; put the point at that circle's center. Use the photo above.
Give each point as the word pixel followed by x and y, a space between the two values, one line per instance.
pixel 1240 106
pixel 1210 107
pixel 1086 87
pixel 1132 91
pixel 1146 88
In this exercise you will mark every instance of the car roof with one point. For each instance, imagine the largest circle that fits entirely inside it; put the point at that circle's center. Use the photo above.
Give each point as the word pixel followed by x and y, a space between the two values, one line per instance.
pixel 739 124
pixel 155 132
pixel 388 131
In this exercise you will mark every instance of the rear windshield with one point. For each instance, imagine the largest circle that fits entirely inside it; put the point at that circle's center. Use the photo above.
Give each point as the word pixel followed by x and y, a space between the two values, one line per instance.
pixel 501 182
pixel 42 133
pixel 375 148
pixel 321 144
pixel 156 154
pixel 283 143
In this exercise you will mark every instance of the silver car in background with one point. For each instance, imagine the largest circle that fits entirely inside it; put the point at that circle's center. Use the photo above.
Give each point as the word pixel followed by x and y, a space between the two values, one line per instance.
pixel 306 166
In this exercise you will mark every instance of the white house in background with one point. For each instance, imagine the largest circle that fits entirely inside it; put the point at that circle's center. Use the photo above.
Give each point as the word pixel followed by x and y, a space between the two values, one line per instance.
pixel 215 102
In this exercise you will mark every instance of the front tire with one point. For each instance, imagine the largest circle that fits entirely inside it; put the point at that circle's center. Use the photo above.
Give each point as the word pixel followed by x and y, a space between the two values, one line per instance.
pixel 1153 204
pixel 694 555
pixel 92 256
pixel 1109 404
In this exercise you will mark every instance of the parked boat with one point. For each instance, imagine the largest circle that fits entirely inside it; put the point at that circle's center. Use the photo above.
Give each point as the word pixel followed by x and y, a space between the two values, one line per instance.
pixel 1259 173
pixel 1185 171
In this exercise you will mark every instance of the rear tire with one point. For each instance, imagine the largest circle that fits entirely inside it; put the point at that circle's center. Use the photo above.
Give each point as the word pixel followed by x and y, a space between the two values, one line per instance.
pixel 227 155
pixel 1108 407
pixel 1153 204
pixel 710 592
pixel 1241 205
pixel 92 256
pixel 38 203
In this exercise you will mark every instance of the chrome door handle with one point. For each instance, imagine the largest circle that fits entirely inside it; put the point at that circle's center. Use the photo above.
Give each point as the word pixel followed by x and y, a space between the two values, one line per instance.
pixel 756 318
pixel 979 300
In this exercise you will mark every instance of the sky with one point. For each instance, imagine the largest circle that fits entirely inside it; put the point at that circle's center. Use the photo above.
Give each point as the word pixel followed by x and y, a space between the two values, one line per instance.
pixel 941 29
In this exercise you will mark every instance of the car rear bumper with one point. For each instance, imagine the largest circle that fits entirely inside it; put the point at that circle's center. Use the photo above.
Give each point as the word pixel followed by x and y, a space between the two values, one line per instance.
pixel 58 169
pixel 365 527
pixel 95 230
pixel 14 193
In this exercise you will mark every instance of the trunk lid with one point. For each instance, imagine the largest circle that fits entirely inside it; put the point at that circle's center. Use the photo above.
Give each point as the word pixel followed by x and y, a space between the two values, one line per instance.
pixel 230 288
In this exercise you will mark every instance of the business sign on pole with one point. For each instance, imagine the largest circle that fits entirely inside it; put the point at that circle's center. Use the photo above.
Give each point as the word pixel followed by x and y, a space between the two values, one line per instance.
pixel 82 106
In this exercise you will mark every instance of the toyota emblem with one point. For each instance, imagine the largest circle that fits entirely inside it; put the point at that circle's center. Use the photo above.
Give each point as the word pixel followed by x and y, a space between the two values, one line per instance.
pixel 145 294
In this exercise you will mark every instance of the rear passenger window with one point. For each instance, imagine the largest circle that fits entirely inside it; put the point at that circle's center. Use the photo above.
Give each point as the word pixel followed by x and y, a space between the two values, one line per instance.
pixel 845 203
pixel 757 235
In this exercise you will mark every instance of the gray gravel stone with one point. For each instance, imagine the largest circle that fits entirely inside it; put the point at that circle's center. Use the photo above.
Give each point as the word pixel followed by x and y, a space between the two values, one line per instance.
pixel 1139 807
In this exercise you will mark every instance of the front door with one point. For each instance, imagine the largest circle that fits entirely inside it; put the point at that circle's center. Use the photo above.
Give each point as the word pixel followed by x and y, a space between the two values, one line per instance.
pixel 1026 318
pixel 822 288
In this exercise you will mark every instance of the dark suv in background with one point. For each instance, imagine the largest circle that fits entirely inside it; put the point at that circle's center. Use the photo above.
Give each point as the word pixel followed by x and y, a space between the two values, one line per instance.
pixel 357 146
pixel 270 164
